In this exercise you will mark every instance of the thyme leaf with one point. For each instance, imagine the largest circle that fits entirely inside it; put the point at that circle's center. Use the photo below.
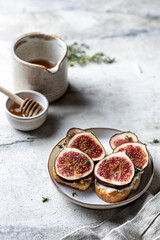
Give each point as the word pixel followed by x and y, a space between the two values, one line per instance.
pixel 129 138
pixel 74 193
pixel 45 199
pixel 95 182
pixel 155 140
pixel 87 162
pixel 77 55
pixel 139 168
pixel 69 136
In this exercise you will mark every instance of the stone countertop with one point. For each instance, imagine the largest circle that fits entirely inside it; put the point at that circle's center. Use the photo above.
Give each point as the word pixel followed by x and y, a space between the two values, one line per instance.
pixel 124 95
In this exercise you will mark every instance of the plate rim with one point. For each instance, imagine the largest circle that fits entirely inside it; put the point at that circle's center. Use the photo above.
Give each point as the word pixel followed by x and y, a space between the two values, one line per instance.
pixel 101 206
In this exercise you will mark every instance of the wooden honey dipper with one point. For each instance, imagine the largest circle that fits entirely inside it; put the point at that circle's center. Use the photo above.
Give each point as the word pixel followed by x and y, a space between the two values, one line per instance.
pixel 29 107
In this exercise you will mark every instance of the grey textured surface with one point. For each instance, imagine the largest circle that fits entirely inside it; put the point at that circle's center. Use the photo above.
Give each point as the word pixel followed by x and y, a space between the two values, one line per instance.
pixel 123 95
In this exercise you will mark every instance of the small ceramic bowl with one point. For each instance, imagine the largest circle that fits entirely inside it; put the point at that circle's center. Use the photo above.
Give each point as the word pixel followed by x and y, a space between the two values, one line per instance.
pixel 28 123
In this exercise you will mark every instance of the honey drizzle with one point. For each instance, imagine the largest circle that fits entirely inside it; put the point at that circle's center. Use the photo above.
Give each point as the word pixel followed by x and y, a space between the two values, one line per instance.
pixel 16 110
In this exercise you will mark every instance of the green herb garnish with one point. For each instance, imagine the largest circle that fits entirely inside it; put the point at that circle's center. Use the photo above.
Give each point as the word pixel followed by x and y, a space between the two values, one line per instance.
pixel 95 182
pixel 129 138
pixel 45 199
pixel 155 140
pixel 69 136
pixel 77 55
pixel 74 193
pixel 87 162
pixel 139 168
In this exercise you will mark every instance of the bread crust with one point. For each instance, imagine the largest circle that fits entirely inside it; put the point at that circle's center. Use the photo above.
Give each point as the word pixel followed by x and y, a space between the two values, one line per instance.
pixel 116 196
pixel 80 185
pixel 111 197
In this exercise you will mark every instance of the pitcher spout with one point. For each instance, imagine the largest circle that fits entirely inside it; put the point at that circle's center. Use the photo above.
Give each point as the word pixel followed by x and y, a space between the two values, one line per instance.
pixel 54 69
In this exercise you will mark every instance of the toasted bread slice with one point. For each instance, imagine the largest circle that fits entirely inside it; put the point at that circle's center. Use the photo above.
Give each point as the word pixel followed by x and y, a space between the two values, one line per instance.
pixel 113 195
pixel 81 185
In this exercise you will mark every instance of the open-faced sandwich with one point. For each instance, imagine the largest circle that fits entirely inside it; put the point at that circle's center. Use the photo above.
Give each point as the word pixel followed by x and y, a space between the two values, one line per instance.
pixel 73 168
pixel 75 163
pixel 119 174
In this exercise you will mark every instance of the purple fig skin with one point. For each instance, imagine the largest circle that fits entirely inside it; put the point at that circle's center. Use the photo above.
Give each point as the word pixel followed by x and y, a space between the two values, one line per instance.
pixel 72 181
pixel 112 185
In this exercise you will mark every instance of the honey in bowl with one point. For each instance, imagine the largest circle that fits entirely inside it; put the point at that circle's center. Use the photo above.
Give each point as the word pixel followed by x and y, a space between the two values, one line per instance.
pixel 16 110
pixel 43 62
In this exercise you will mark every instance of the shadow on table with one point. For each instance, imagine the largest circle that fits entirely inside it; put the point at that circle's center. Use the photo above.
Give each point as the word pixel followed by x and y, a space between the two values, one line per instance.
pixel 120 214
pixel 49 128
pixel 74 97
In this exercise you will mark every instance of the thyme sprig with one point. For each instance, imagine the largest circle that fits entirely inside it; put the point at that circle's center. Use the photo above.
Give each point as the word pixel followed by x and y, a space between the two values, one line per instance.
pixel 77 55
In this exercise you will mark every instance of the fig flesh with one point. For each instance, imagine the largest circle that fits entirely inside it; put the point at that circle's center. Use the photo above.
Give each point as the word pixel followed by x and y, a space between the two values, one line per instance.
pixel 137 152
pixel 71 133
pixel 89 144
pixel 71 165
pixel 116 170
pixel 122 138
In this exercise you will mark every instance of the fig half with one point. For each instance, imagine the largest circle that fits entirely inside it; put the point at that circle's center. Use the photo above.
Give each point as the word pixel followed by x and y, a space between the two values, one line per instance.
pixel 137 152
pixel 89 144
pixel 115 170
pixel 122 138
pixel 71 133
pixel 71 165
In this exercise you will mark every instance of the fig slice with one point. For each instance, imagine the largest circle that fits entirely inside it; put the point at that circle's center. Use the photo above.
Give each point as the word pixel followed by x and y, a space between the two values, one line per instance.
pixel 122 138
pixel 137 152
pixel 89 144
pixel 116 170
pixel 71 165
pixel 71 133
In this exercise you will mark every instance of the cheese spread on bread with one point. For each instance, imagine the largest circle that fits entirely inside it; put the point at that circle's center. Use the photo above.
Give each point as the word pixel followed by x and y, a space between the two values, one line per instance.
pixel 132 187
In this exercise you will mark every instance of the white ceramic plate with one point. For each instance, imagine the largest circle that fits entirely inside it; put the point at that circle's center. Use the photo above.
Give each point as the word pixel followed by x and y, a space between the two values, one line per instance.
pixel 88 198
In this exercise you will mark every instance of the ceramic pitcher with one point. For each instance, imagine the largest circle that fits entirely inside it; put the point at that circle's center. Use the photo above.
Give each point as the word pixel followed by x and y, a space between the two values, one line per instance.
pixel 28 75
